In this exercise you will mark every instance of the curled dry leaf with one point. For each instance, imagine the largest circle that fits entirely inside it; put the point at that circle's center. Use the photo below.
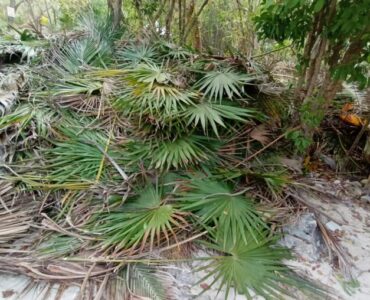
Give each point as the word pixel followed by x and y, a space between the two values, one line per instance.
pixel 261 134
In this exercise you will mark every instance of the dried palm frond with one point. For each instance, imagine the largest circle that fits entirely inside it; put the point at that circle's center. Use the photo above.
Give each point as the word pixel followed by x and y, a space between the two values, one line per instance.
pixel 17 210
pixel 95 125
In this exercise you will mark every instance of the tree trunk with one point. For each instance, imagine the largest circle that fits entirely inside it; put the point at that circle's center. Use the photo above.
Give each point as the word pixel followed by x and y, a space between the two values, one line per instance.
pixel 299 92
pixel 197 37
pixel 169 18
pixel 367 145
pixel 315 67
pixel 11 18
pixel 189 16
pixel 180 17
pixel 191 23
pixel 183 20
pixel 137 4
pixel 367 148
pixel 318 50
pixel 243 38
pixel 115 12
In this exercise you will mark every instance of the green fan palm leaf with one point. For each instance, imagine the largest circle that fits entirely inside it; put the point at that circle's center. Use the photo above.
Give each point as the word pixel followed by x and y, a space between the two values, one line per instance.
pixel 58 246
pixel 149 96
pixel 77 55
pixel 133 55
pixel 138 281
pixel 149 74
pixel 233 214
pixel 145 281
pixel 216 84
pixel 145 221
pixel 172 51
pixel 20 116
pixel 255 267
pixel 161 101
pixel 180 152
pixel 74 86
pixel 80 153
pixel 215 115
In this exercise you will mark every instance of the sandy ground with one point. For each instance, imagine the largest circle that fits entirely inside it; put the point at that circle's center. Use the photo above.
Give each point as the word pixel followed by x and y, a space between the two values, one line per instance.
pixel 12 287
pixel 349 211
pixel 347 219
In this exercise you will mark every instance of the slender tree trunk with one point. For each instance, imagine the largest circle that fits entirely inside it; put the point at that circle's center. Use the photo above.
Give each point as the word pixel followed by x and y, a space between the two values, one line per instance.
pixel 169 18
pixel 183 20
pixel 35 19
pixel 367 145
pixel 331 87
pixel 315 68
pixel 317 49
pixel 11 18
pixel 154 19
pixel 48 12
pixel 243 38
pixel 137 4
pixel 115 11
pixel 197 37
pixel 189 18
pixel 180 17
pixel 306 57
pixel 191 23
pixel 159 12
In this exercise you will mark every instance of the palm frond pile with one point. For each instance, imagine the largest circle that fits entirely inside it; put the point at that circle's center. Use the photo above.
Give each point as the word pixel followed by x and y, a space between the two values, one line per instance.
pixel 123 152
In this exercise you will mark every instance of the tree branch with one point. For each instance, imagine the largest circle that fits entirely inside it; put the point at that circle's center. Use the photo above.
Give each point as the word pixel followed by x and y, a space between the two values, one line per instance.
pixel 194 20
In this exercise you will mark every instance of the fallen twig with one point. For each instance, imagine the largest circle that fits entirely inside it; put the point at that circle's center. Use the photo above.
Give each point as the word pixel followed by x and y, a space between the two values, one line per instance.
pixel 266 147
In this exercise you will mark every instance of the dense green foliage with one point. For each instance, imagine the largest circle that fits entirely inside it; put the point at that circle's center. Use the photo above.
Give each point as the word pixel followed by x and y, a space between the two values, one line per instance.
pixel 139 136
pixel 345 24
pixel 106 115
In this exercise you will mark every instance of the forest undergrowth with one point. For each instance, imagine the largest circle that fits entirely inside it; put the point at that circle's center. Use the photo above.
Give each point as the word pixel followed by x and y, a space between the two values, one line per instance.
pixel 121 155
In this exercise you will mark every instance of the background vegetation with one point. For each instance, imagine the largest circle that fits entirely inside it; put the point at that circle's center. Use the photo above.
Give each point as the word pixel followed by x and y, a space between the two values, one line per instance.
pixel 136 130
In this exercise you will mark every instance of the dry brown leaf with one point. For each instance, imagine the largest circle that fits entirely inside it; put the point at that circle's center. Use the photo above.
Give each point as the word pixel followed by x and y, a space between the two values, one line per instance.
pixel 261 134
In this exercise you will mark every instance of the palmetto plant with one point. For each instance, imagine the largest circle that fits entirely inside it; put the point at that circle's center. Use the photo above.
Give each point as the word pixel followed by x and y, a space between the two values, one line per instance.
pixel 141 280
pixel 77 55
pixel 179 152
pixel 254 267
pixel 39 115
pixel 160 101
pixel 172 51
pixel 80 153
pixel 95 48
pixel 99 28
pixel 231 213
pixel 133 55
pixel 215 115
pixel 165 114
pixel 223 83
pixel 148 92
pixel 59 246
pixel 148 220
pixel 76 85
pixel 172 117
